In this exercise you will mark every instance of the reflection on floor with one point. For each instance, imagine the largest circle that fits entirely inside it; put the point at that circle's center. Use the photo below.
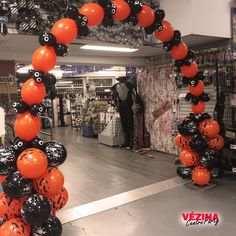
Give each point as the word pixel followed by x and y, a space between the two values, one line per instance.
pixel 94 171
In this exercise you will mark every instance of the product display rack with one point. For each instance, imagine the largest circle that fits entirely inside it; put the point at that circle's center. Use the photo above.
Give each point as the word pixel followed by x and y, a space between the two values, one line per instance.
pixel 76 111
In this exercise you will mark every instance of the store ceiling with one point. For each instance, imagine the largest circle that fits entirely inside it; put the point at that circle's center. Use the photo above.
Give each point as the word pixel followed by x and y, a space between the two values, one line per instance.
pixel 21 47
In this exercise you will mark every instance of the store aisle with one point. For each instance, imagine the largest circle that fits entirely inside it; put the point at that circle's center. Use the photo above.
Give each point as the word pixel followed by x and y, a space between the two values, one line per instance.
pixel 94 171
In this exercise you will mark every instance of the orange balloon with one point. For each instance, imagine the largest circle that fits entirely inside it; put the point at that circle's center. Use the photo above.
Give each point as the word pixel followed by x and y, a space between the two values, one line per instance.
pixel 5 211
pixel 182 141
pixel 122 10
pixel 201 175
pixel 15 227
pixel 44 59
pixel 59 200
pixel 32 163
pixel 209 127
pixel 146 16
pixel 27 126
pixel 196 90
pixel 16 205
pixel 189 71
pixel 94 12
pixel 50 183
pixel 10 207
pixel 167 33
pixel 65 30
pixel 179 52
pixel 199 108
pixel 216 143
pixel 33 92
pixel 2 178
pixel 189 158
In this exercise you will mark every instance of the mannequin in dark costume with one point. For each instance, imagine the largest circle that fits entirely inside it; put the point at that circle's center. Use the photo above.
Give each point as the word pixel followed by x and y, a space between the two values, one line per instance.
pixel 124 96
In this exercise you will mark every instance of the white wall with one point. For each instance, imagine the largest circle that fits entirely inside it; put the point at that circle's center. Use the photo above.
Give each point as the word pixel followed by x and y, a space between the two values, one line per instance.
pixel 178 13
pixel 200 17
pixel 212 18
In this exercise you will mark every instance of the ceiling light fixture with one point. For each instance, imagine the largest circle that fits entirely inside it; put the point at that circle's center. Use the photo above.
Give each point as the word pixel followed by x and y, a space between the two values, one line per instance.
pixel 108 48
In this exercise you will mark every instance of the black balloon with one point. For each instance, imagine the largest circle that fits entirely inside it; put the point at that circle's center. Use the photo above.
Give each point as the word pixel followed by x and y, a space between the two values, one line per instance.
pixel 201 75
pixel 36 143
pixel 188 96
pixel 52 227
pixel 61 50
pixel 210 159
pixel 37 75
pixel 189 59
pixel 132 20
pixel 7 160
pixel 185 80
pixel 193 82
pixel 217 173
pixel 36 210
pixel 167 46
pixel 110 9
pixel 16 186
pixel 84 31
pixel 52 92
pixel 82 21
pixel 19 145
pixel 47 39
pixel 108 22
pixel 56 153
pixel 191 116
pixel 195 100
pixel 49 80
pixel 37 109
pixel 187 127
pixel 178 64
pixel 71 12
pixel 103 2
pixel 204 97
pixel 177 38
pixel 135 5
pixel 156 26
pixel 184 172
pixel 20 107
pixel 198 143
pixel 160 15
pixel 204 116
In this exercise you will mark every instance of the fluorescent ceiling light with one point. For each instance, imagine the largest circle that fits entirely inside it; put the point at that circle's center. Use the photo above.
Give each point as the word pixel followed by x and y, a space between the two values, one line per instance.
pixel 108 48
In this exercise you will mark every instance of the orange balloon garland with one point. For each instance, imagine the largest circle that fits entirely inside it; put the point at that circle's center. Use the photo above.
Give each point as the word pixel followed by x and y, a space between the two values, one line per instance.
pixel 32 163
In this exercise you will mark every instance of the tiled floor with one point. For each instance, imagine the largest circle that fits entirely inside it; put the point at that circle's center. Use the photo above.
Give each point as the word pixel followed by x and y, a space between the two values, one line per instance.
pixel 160 214
pixel 94 171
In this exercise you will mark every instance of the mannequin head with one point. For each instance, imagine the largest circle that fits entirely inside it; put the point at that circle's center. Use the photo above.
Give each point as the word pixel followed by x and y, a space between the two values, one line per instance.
pixel 122 79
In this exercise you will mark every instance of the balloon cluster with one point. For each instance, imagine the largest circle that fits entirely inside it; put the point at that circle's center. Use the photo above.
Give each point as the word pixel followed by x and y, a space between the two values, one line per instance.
pixel 33 186
pixel 200 142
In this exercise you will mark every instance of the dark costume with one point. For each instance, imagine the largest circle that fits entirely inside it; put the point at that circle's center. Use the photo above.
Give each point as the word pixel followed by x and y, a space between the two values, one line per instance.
pixel 125 96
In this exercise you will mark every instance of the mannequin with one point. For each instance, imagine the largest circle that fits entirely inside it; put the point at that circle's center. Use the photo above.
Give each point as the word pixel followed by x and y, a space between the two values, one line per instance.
pixel 124 96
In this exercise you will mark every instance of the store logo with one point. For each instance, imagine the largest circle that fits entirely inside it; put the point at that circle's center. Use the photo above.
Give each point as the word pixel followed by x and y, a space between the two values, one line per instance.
pixel 200 219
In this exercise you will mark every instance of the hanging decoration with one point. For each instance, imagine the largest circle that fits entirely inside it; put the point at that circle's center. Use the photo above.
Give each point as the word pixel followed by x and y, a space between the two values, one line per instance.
pixel 29 169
